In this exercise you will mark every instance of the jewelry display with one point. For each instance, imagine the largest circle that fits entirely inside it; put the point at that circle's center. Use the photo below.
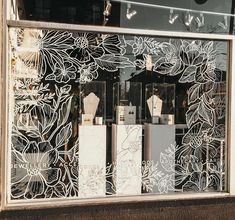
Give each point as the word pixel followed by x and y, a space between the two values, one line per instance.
pixel 126 115
pixel 92 140
pixel 160 103
pixel 127 102
pixel 91 103
pixel 154 106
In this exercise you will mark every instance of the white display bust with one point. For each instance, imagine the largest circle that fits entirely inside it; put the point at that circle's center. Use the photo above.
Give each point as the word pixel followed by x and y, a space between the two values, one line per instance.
pixel 91 103
pixel 155 105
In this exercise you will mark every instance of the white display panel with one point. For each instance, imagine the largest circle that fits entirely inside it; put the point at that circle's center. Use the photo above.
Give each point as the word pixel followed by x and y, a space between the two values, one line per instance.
pixel 158 139
pixel 92 161
pixel 127 156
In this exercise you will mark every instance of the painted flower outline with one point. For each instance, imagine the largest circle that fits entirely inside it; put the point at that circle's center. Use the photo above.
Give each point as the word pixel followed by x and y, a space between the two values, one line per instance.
pixel 169 61
pixel 88 73
pixel 34 172
pixel 85 47
pixel 63 73
pixel 199 181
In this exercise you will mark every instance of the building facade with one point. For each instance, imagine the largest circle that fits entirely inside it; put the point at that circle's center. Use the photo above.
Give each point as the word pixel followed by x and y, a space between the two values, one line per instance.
pixel 117 107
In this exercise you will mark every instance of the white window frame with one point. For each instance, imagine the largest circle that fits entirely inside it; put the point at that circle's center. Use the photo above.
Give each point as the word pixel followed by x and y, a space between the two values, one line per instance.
pixel 115 199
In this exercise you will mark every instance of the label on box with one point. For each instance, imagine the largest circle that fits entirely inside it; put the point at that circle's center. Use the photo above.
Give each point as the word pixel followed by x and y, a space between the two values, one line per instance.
pixel 87 119
pixel 126 115
pixel 167 119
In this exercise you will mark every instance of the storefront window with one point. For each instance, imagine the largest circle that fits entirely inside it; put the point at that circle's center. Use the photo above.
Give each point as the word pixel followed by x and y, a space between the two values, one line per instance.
pixel 100 115
pixel 210 16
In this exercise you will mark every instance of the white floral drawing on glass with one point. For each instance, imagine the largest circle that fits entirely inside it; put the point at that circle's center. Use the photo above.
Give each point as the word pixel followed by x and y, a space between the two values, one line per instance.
pixel 47 65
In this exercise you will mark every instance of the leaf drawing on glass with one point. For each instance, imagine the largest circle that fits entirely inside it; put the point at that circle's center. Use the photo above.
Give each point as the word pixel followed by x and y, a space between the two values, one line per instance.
pixel 150 175
pixel 47 66
pixel 34 173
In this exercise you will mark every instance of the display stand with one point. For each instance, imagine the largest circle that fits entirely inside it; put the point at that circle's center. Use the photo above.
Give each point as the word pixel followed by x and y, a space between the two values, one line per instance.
pixel 92 140
pixel 92 161
pixel 127 156
pixel 158 138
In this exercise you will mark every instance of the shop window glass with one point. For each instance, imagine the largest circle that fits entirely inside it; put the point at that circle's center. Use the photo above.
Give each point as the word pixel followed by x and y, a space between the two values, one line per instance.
pixel 99 115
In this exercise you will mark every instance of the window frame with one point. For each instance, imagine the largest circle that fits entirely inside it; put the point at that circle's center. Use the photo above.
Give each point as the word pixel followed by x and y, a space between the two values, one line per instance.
pixel 230 128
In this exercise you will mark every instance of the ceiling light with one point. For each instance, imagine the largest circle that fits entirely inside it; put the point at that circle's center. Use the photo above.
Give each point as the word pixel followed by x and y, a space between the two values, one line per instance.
pixel 200 20
pixel 224 24
pixel 130 13
pixel 105 21
pixel 188 19
pixel 172 17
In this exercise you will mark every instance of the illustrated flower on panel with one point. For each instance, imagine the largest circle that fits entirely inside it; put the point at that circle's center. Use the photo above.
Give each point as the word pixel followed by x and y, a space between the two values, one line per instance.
pixel 205 72
pixel 193 137
pixel 132 143
pixel 199 62
pixel 138 45
pixel 53 49
pixel 169 61
pixel 198 142
pixel 191 53
pixel 85 47
pixel 43 117
pixel 40 50
pixel 150 175
pixel 88 73
pixel 32 171
pixel 63 73
pixel 166 183
pixel 112 44
pixel 199 181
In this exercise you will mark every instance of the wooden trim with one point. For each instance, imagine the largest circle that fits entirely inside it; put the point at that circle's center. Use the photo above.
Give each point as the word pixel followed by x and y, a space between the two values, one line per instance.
pixel 1 96
pixel 231 127
pixel 3 107
pixel 53 203
pixel 116 30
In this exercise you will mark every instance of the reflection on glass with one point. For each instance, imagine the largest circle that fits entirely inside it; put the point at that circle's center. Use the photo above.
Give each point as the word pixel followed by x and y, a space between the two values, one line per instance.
pixel 46 106
pixel 131 14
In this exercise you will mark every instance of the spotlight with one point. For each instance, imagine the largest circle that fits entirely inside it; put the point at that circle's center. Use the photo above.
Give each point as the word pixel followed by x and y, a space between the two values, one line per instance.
pixel 200 20
pixel 188 19
pixel 172 17
pixel 224 24
pixel 107 10
pixel 105 21
pixel 130 13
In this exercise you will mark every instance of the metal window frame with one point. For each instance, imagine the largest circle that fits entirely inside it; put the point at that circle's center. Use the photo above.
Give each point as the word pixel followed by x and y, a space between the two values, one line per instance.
pixel 47 203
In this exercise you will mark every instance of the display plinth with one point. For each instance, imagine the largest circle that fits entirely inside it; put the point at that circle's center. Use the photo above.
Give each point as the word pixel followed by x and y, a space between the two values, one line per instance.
pixel 127 156
pixel 158 139
pixel 92 161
